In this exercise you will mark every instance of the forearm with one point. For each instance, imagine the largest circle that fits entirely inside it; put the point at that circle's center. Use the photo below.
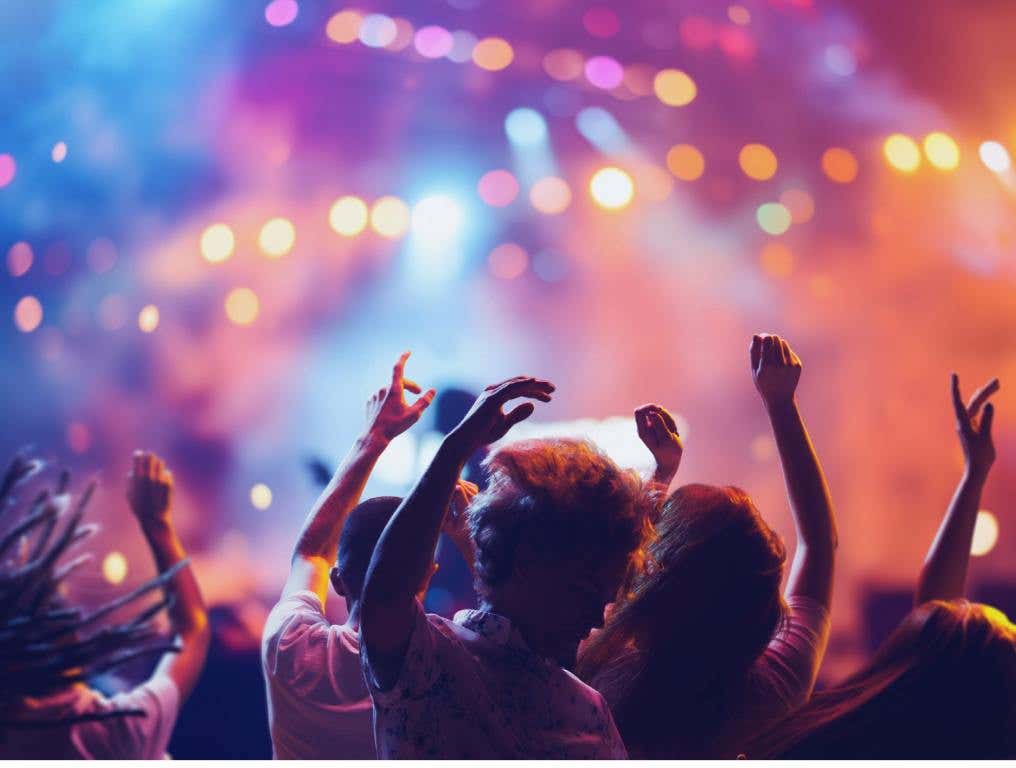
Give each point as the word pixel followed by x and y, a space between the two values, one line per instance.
pixel 319 537
pixel 187 613
pixel 944 574
pixel 405 552
pixel 809 496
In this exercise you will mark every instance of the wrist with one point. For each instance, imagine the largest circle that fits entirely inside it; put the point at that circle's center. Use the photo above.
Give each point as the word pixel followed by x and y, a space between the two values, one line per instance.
pixel 975 472
pixel 372 442
pixel 458 446
pixel 778 406
pixel 158 527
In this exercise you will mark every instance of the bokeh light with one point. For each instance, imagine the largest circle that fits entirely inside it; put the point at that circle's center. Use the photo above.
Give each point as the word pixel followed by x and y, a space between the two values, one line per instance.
pixel 59 152
pixel 217 243
pixel 840 60
pixel 674 87
pixel 941 151
pixel 696 32
pixel 839 165
pixel 685 162
pixel 437 219
pixel 114 568
pixel 279 13
pixel 800 204
pixel 277 237
pixel 757 161
pixel 348 216
pixel 377 30
pixel 508 261
pixel 739 15
pixel 994 156
pixel 902 153
pixel 493 54
pixel 19 258
pixel 525 127
pixel 389 217
pixel 604 72
pixel 985 533
pixel 404 32
pixel 550 195
pixel 774 218
pixel 638 78
pixel 27 314
pixel 260 496
pixel 777 259
pixel 463 43
pixel 344 26
pixel 148 318
pixel 563 64
pixel 242 306
pixel 601 22
pixel 8 169
pixel 433 42
pixel 612 188
pixel 498 188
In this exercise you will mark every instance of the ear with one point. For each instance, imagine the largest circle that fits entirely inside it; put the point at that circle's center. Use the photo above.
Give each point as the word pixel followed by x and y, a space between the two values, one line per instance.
pixel 426 582
pixel 336 580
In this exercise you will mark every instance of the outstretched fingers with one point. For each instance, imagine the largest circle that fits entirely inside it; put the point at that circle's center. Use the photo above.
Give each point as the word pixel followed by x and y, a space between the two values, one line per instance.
pixel 962 417
pixel 517 414
pixel 755 351
pixel 981 397
pixel 524 386
pixel 397 372
pixel 423 402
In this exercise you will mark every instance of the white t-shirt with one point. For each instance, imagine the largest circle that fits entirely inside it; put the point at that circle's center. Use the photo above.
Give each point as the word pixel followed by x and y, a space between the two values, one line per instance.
pixel 318 705
pixel 471 689
pixel 115 738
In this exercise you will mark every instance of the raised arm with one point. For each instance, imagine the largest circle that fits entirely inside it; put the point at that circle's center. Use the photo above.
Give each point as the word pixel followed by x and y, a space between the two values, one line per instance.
pixel 404 552
pixel 658 432
pixel 149 494
pixel 388 416
pixel 776 370
pixel 944 574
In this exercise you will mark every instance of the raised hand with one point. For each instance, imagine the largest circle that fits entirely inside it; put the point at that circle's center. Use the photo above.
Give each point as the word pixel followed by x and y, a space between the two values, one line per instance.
pixel 388 413
pixel 974 432
pixel 487 423
pixel 149 489
pixel 775 368
pixel 658 431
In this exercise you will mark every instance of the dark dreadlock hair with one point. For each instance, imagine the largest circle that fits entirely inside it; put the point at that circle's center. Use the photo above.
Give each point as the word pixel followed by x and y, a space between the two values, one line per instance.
pixel 45 644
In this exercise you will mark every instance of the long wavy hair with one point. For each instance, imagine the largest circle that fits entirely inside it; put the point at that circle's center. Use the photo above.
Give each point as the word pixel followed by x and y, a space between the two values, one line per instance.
pixel 46 644
pixel 942 686
pixel 673 658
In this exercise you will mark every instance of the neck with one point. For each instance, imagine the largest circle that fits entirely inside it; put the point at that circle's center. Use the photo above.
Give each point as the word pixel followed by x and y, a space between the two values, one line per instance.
pixel 534 638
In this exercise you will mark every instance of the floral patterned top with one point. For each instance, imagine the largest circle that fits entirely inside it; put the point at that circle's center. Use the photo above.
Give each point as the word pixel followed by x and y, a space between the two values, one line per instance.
pixel 471 689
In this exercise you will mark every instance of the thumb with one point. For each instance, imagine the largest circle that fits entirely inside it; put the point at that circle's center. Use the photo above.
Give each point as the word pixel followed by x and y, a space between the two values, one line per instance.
pixel 517 414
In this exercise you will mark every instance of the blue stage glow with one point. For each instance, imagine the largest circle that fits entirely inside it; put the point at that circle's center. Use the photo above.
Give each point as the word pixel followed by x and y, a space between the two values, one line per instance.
pixel 600 128
pixel 525 127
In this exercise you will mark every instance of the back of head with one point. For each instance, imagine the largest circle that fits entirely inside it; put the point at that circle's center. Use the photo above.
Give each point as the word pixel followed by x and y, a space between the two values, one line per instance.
pixel 564 499
pixel 359 536
pixel 942 686
pixel 673 659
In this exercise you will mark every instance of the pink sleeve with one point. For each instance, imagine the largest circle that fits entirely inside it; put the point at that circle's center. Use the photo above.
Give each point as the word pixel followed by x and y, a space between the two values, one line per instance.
pixel 788 668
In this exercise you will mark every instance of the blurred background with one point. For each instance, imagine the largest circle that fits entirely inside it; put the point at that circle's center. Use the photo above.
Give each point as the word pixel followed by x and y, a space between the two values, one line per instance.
pixel 221 222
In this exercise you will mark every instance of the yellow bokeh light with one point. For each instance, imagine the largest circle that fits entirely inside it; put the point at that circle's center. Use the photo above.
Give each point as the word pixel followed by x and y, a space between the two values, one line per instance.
pixel 941 151
pixel 148 318
pixel 800 204
pixel 674 87
pixel 277 237
pixel 777 259
pixel 348 216
pixel 757 161
pixel 27 314
pixel 985 534
pixel 217 243
pixel 344 26
pixel 261 496
pixel 550 195
pixel 493 54
pixel 242 306
pixel 685 162
pixel 390 217
pixel 839 165
pixel 114 568
pixel 612 188
pixel 902 153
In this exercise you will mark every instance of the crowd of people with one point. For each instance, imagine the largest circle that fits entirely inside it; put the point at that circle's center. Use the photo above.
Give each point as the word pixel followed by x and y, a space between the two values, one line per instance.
pixel 613 618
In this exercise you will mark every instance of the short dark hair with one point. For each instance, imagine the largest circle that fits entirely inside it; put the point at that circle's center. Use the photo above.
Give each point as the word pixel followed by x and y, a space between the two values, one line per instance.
pixel 565 497
pixel 359 536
